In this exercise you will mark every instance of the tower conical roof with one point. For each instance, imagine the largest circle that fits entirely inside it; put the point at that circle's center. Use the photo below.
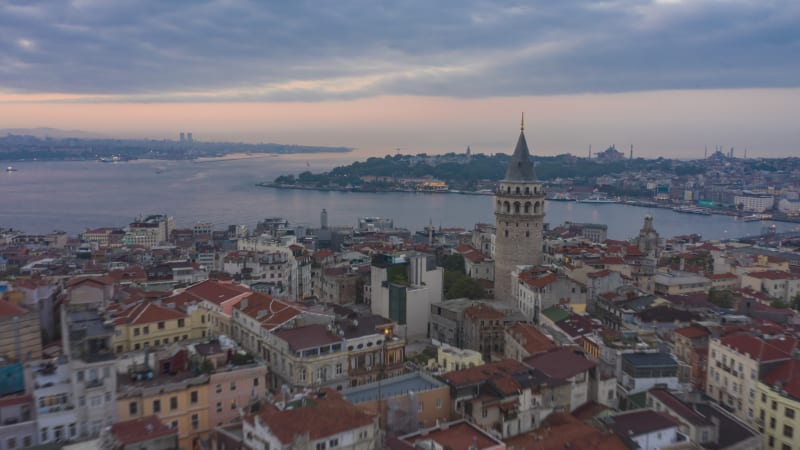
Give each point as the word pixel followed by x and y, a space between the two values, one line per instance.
pixel 521 167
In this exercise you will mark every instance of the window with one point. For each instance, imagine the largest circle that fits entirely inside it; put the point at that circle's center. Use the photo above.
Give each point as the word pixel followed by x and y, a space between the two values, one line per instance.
pixel 772 422
pixel 485 412
pixel 156 406
pixel 255 382
pixel 181 322
pixel 339 369
pixel 161 325
pixel 219 407
pixel 438 403
pixel 136 331
pixel 146 329
pixel 195 421
pixel 45 435
pixel 789 413
pixel 133 408
pixel 193 397
pixel 233 385
pixel 73 430
pixel 157 342
pixel 11 443
pixel 774 405
pixel 333 443
pixel 320 446
pixel 219 388
pixel 173 403
pixel 27 441
pixel 233 405
pixel 788 431
pixel 80 376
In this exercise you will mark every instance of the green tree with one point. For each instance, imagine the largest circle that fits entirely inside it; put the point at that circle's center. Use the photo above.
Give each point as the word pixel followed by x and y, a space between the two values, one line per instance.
pixel 453 263
pixel 721 298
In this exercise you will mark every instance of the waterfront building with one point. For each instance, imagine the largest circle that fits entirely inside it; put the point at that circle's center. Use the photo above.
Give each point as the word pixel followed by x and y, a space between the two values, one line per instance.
pixel 519 216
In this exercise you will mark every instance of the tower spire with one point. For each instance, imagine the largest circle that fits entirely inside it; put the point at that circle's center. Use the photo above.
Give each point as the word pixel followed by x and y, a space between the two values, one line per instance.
pixel 522 123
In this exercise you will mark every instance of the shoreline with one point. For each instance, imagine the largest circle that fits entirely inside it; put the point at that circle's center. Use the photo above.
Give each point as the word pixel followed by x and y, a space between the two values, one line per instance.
pixel 637 203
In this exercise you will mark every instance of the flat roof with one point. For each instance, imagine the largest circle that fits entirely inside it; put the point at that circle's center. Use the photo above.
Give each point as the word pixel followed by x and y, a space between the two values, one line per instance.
pixel 392 387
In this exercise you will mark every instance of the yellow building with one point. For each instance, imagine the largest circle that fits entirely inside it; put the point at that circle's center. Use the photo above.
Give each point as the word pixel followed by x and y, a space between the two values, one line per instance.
pixel 449 358
pixel 147 325
pixel 778 406
pixel 180 401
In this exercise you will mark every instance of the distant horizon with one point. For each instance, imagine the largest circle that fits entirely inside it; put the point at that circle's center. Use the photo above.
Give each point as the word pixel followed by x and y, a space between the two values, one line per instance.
pixel 380 125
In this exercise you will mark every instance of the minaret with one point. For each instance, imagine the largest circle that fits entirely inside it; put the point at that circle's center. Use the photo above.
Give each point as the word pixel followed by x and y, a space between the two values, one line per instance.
pixel 519 219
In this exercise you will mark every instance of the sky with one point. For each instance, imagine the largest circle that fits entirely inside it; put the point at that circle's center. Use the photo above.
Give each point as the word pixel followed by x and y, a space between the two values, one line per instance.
pixel 669 77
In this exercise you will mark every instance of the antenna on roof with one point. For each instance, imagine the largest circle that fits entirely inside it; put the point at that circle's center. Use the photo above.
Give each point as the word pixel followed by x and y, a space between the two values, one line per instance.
pixel 522 123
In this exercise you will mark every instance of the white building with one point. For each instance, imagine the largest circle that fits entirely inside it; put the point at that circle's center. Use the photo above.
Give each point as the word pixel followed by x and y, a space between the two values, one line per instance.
pixel 403 289
pixel 750 201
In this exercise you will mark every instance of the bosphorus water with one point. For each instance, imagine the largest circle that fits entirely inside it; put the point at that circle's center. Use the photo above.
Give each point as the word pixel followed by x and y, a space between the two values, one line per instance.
pixel 74 195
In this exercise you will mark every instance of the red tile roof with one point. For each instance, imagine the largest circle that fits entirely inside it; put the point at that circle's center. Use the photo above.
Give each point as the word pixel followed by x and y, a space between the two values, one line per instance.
pixel 787 375
pixel 11 400
pixel 270 312
pixel 8 309
pixel 530 338
pixel 140 430
pixel 562 431
pixel 308 336
pixel 641 422
pixel 678 407
pixel 692 331
pixel 461 435
pixel 534 281
pixel 145 313
pixel 480 374
pixel 771 275
pixel 483 311
pixel 760 349
pixel 321 417
pixel 215 291
pixel 561 363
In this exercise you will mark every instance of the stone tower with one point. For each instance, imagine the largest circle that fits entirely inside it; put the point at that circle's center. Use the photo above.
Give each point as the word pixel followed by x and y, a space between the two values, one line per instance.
pixel 519 216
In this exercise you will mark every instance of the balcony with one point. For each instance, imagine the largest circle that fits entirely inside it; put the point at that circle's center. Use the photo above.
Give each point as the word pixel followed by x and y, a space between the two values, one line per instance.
pixel 90 384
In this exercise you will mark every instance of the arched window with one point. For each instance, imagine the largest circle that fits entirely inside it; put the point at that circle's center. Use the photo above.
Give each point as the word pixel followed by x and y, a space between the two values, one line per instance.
pixel 527 207
pixel 508 189
pixel 507 207
pixel 516 207
pixel 536 208
pixel 518 191
pixel 527 189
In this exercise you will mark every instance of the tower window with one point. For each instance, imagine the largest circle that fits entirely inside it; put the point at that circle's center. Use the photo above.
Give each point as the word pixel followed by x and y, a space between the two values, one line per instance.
pixel 506 233
pixel 518 190
pixel 527 234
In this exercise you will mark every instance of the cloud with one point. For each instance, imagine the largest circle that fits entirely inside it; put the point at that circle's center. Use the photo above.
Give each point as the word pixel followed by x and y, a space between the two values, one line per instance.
pixel 150 50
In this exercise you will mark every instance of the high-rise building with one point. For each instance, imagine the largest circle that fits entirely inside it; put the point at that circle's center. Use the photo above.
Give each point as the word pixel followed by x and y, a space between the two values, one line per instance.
pixel 189 137
pixel 183 136
pixel 519 215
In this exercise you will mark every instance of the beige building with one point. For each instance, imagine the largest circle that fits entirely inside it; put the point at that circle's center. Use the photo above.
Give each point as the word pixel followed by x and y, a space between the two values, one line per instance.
pixel 735 363
pixel 676 283
pixel 778 406
pixel 306 357
pixel 20 333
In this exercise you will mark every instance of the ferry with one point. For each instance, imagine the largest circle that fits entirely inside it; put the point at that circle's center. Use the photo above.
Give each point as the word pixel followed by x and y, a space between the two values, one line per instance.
pixel 599 198
pixel 560 197
pixel 692 210
pixel 11 169
pixel 751 218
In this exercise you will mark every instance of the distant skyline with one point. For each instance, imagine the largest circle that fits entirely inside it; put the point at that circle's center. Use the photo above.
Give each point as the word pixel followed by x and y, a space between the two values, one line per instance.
pixel 667 76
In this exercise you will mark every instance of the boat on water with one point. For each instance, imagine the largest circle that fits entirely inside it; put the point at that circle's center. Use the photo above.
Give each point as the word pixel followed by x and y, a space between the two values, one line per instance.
pixel 11 169
pixel 756 217
pixel 560 197
pixel 692 210
pixel 599 198
pixel 113 159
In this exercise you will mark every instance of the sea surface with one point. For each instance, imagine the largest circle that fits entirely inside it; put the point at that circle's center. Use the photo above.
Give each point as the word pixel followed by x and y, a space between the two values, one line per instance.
pixel 75 195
